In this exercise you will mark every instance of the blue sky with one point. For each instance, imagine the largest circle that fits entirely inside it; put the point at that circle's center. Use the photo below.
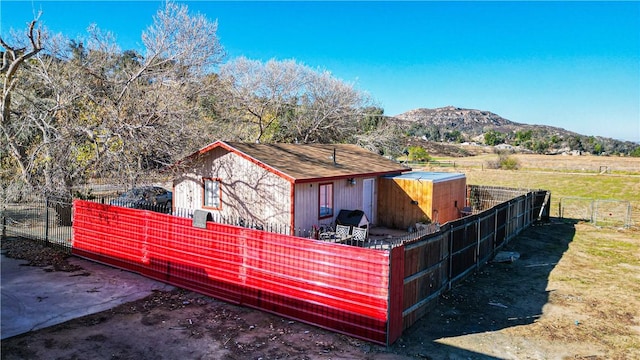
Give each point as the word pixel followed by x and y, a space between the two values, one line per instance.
pixel 574 65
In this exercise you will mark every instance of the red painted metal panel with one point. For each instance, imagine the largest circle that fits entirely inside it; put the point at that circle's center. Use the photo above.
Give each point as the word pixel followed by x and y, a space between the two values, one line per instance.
pixel 396 293
pixel 339 287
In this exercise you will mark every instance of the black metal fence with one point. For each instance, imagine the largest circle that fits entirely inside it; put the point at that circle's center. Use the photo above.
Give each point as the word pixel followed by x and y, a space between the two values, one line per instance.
pixel 44 219
pixel 482 197
pixel 50 219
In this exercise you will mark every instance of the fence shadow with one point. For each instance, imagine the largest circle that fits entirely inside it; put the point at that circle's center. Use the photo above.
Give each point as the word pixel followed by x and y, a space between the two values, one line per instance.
pixel 498 296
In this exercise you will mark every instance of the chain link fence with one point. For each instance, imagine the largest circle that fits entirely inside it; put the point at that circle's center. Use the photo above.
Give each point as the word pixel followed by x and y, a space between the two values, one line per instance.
pixel 599 212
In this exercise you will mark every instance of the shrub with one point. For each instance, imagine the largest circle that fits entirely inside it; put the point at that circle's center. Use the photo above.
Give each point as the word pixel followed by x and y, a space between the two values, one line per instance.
pixel 509 163
pixel 493 138
pixel 418 153
pixel 505 162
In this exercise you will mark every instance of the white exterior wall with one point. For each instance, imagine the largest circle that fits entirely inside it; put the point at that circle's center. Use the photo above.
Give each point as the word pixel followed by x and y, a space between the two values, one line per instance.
pixel 345 196
pixel 248 190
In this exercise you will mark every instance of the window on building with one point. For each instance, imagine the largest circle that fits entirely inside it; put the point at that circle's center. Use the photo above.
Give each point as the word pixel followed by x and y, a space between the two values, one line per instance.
pixel 212 191
pixel 326 200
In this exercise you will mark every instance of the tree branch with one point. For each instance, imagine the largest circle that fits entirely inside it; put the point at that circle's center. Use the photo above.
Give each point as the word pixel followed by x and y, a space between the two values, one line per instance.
pixel 15 62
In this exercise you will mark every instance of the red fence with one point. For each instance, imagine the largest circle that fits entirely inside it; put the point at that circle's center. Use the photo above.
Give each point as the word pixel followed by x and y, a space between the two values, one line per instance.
pixel 369 294
pixel 338 287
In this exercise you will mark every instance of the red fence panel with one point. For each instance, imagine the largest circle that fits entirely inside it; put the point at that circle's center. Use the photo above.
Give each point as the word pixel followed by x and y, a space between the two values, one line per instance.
pixel 338 287
pixel 396 295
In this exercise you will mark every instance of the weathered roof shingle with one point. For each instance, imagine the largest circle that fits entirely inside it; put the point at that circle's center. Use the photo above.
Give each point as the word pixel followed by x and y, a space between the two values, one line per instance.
pixel 307 162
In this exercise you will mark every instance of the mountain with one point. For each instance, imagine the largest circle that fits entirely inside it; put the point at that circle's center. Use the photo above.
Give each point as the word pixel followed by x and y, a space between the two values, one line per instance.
pixel 471 122
pixel 455 125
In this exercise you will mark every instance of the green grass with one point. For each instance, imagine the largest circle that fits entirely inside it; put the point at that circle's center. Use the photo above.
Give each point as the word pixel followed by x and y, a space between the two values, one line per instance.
pixel 614 252
pixel 568 185
pixel 562 184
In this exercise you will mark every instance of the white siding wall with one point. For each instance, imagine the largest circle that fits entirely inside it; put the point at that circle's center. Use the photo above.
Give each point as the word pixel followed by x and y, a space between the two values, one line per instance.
pixel 187 192
pixel 345 196
pixel 248 190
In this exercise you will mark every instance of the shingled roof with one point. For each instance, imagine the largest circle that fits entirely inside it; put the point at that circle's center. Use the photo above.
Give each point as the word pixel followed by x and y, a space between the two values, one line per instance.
pixel 311 162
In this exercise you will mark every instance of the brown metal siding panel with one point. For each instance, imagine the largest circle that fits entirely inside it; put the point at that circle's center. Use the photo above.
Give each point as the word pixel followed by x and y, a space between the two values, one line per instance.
pixel 435 201
pixel 390 206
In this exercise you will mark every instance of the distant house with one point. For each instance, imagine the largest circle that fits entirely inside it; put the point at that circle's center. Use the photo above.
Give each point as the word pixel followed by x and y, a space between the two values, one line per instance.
pixel 504 147
pixel 296 185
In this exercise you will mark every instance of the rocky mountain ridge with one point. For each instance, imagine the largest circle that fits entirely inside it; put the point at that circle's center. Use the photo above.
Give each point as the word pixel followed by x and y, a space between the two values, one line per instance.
pixel 455 125
pixel 471 122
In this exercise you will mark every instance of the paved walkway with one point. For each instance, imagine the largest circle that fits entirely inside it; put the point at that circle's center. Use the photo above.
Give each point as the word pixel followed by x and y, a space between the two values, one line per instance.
pixel 33 298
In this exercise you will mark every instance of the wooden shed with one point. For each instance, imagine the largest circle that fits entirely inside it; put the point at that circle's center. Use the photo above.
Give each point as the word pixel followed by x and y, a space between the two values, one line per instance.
pixel 418 196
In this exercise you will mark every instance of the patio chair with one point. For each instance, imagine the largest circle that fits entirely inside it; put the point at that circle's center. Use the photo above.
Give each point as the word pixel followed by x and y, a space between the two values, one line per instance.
pixel 359 234
pixel 342 231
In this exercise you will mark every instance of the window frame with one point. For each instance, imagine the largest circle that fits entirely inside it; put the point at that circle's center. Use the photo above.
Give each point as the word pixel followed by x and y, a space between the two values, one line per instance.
pixel 320 187
pixel 204 193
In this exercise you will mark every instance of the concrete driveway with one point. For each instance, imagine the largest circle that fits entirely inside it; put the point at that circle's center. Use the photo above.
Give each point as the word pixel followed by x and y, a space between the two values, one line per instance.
pixel 33 298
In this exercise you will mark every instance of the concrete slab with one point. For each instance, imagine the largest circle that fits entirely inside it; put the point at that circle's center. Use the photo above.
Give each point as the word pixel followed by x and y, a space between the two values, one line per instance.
pixel 33 298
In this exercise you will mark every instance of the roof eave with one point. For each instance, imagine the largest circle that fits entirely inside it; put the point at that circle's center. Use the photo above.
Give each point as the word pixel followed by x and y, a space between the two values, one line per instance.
pixel 348 176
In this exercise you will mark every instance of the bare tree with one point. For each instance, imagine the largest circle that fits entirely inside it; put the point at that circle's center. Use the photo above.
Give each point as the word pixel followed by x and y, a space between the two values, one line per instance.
pixel 385 139
pixel 286 101
pixel 13 58
pixel 329 111
pixel 260 95
pixel 85 108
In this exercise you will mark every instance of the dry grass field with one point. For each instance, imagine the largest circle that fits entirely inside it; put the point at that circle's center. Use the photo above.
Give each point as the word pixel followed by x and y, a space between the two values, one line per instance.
pixel 594 288
pixel 565 176
pixel 558 163
pixel 593 294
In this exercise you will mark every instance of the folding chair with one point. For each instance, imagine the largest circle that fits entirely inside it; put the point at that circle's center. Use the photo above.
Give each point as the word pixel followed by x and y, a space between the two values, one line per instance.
pixel 342 231
pixel 359 235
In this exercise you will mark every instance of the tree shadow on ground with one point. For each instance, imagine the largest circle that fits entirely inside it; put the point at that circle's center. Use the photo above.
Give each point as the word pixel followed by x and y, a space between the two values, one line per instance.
pixel 498 296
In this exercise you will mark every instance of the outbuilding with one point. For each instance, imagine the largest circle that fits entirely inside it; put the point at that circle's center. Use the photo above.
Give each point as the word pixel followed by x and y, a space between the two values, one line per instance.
pixel 420 197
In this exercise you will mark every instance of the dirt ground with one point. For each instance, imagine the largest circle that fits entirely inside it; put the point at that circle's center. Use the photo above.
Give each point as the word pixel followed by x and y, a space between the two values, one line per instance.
pixel 550 303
